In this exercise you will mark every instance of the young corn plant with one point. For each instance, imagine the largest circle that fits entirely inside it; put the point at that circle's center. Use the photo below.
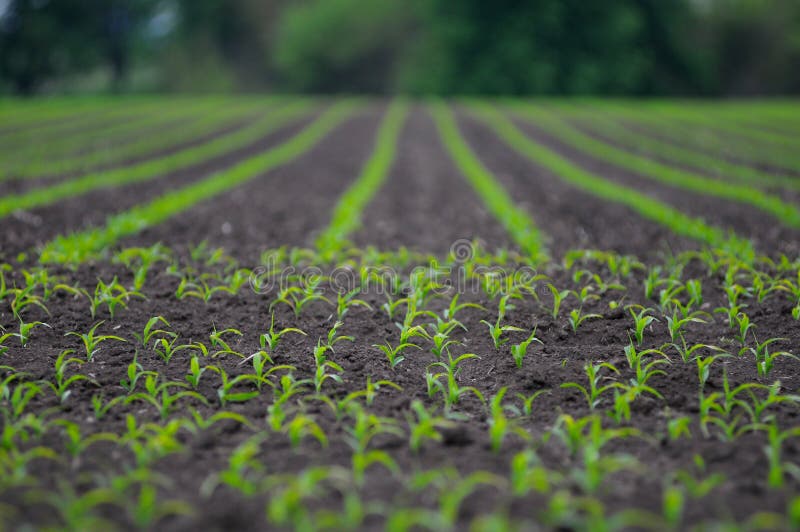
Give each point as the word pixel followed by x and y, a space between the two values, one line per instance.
pixel 196 372
pixel 161 398
pixel 151 331
pixel 676 323
pixel 134 373
pixel 348 300
pixel 450 389
pixel 576 318
pixel 766 360
pixel 264 368
pixel 777 467
pixel 527 401
pixel 501 425
pixel 25 330
pixel 641 320
pixel 520 351
pixel 91 340
pixel 223 346
pixel 113 295
pixel 643 369
pixel 297 297
pixel 393 354
pixel 496 330
pixel 558 298
pixel 743 326
pixel 334 337
pixel 270 339
pixel 424 425
pixel 595 390
pixel 227 393
pixel 61 384
pixel 140 260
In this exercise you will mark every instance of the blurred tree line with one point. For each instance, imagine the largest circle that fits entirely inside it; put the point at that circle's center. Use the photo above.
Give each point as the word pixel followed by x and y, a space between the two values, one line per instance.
pixel 514 47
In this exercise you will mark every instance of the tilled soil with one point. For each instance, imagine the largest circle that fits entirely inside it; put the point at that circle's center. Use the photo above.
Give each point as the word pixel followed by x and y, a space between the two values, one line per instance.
pixel 426 206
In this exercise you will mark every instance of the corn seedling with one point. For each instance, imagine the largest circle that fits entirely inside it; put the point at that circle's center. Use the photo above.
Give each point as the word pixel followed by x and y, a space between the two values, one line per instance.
pixel 91 341
pixel 161 398
pixel 594 392
pixel 643 369
pixel 451 390
pixel 499 424
pixel 393 354
pixel 270 339
pixel 150 331
pixel 134 373
pixel 25 330
pixel 62 383
pixel 196 372
pixel 558 298
pixel 766 360
pixel 641 320
pixel 424 425
pixel 347 301
pixel 226 392
pixel 576 318
pixel 520 351
pixel 223 346
pixel 777 467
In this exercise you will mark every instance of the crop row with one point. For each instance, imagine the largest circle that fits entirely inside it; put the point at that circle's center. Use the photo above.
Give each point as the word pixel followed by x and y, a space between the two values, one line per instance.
pixel 154 168
pixel 122 141
pixel 658 148
pixel 705 137
pixel 644 205
pixel 648 168
pixel 284 389
pixel 84 245
pixel 347 213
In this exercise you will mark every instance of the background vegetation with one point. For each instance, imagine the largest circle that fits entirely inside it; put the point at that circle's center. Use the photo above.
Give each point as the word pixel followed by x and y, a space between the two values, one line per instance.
pixel 514 47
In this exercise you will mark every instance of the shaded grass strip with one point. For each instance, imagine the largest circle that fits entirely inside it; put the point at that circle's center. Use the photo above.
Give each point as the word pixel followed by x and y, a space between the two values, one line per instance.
pixel 90 244
pixel 346 216
pixel 516 221
pixel 642 204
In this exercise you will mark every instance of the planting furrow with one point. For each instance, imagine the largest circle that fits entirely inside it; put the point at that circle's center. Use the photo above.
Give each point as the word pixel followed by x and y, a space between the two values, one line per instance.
pixel 24 230
pixel 22 116
pixel 152 168
pixel 424 204
pixel 611 132
pixel 346 216
pixel 153 143
pixel 642 204
pixel 84 245
pixel 721 123
pixel 743 220
pixel 651 169
pixel 570 217
pixel 85 122
pixel 517 222
pixel 287 205
pixel 101 145
pixel 703 140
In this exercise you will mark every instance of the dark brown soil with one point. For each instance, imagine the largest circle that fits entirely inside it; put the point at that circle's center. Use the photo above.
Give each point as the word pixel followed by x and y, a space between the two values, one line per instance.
pixel 571 218
pixel 16 185
pixel 287 206
pixel 424 205
pixel 28 229
pixel 425 185
pixel 766 233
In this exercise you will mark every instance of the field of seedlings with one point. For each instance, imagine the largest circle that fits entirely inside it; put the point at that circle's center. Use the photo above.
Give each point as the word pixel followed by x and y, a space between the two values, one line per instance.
pixel 274 312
